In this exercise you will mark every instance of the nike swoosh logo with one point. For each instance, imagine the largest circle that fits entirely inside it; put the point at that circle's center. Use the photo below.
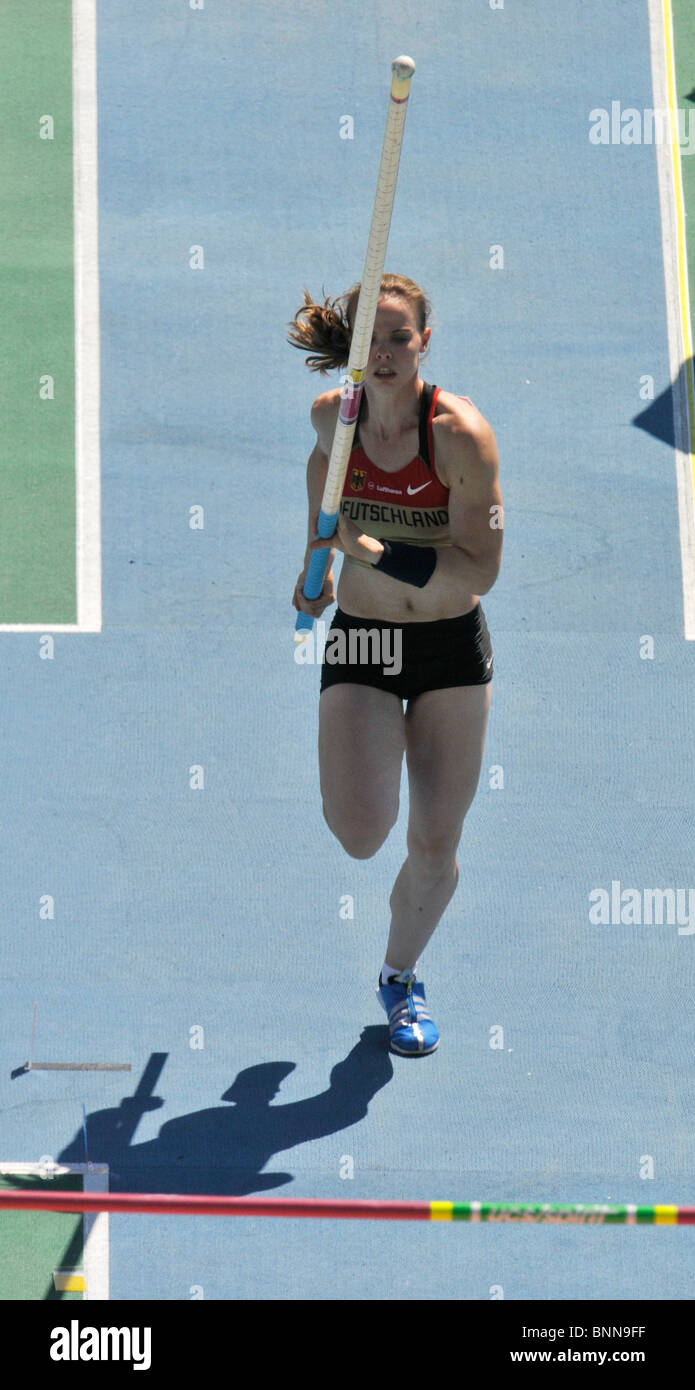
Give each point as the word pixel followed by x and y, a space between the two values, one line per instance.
pixel 413 490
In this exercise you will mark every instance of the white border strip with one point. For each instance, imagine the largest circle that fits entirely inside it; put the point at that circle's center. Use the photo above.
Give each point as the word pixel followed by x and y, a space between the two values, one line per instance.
pixel 677 304
pixel 95 1227
pixel 96 1237
pixel 86 305
pixel 47 627
pixel 87 373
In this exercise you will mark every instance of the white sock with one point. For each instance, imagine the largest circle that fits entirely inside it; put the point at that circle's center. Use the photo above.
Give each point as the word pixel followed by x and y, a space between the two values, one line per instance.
pixel 387 970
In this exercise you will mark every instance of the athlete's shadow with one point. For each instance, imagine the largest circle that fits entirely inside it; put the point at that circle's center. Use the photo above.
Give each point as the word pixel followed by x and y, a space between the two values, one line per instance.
pixel 224 1149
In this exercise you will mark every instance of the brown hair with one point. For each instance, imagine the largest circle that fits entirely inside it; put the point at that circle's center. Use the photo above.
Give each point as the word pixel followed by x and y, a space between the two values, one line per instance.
pixel 324 330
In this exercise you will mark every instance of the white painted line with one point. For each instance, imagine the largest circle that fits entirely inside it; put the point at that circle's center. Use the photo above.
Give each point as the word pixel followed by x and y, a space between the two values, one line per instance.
pixel 96 1237
pixel 677 300
pixel 87 365
pixel 46 627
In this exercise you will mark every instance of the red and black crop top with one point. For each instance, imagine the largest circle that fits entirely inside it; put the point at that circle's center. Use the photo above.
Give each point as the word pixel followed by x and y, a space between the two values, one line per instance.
pixel 408 505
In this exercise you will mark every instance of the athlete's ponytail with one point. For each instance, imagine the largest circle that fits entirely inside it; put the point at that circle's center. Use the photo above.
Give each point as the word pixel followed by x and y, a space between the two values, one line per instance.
pixel 324 330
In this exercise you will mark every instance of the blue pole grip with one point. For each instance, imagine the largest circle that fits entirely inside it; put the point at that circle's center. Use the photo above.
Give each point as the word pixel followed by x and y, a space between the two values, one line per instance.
pixel 318 564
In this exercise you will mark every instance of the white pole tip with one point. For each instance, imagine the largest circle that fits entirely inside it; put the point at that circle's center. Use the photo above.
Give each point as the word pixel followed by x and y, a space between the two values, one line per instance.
pixel 403 68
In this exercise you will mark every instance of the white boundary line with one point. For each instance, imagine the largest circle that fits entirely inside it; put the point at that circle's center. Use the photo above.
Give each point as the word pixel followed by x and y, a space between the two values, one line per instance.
pixel 677 299
pixel 47 627
pixel 86 306
pixel 95 1227
pixel 96 1237
pixel 87 376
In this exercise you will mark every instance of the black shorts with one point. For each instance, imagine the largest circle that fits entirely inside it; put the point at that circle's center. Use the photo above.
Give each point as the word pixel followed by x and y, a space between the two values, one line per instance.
pixel 408 658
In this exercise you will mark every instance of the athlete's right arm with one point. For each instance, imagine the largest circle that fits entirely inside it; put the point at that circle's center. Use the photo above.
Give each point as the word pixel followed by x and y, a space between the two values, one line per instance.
pixel 323 417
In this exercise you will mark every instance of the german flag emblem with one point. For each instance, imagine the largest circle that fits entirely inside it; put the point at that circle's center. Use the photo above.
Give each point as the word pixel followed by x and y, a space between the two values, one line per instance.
pixel 357 479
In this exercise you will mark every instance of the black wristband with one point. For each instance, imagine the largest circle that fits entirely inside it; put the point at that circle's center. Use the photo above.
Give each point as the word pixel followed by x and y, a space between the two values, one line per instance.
pixel 412 564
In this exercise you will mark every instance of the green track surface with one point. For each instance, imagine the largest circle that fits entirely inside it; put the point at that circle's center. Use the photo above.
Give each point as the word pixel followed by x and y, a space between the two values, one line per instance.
pixel 37 449
pixel 33 1244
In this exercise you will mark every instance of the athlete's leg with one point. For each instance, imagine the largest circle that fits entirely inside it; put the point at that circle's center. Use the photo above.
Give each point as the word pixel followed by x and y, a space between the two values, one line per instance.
pixel 361 746
pixel 445 737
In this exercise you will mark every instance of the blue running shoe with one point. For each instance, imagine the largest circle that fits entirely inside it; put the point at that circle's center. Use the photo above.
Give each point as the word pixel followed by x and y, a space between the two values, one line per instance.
pixel 413 1034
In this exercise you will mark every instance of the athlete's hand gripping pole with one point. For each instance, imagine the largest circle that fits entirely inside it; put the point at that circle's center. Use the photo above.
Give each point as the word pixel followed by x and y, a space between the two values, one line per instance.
pixel 402 70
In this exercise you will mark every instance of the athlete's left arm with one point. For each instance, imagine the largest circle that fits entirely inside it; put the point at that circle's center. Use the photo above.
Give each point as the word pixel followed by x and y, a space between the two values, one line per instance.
pixel 469 463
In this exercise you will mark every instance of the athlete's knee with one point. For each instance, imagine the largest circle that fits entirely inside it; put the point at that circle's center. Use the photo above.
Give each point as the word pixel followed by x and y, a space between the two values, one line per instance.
pixel 361 835
pixel 433 854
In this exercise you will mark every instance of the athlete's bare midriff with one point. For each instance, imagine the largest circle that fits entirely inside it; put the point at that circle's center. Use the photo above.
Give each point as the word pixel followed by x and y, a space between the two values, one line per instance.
pixel 364 596
pixel 366 593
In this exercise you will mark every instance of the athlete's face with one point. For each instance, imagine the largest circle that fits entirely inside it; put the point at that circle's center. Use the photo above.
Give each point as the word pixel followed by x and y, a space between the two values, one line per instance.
pixel 394 356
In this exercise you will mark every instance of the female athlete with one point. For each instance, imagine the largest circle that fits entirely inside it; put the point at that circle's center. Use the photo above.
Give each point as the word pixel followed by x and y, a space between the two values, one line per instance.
pixel 421 532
